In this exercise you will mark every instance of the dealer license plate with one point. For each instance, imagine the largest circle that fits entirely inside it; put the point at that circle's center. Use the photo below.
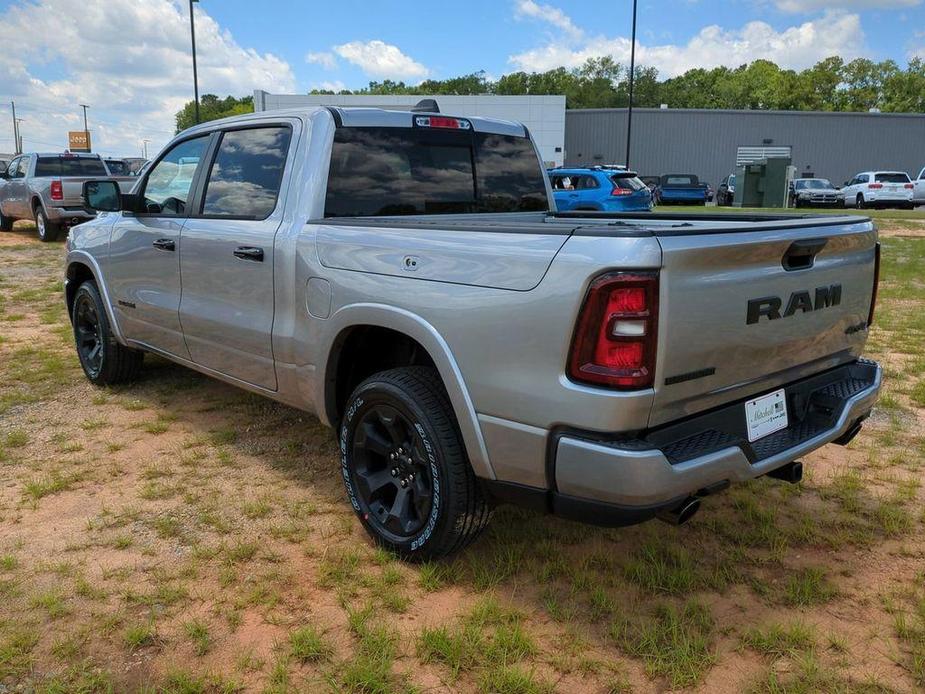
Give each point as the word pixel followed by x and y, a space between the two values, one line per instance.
pixel 766 414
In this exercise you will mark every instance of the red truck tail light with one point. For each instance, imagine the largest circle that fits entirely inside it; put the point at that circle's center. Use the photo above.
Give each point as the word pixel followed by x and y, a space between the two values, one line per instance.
pixel 873 294
pixel 615 340
pixel 909 186
pixel 621 191
pixel 57 190
pixel 875 186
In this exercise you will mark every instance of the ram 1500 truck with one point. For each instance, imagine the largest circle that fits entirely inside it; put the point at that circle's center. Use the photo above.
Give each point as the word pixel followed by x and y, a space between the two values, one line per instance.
pixel 406 277
pixel 47 188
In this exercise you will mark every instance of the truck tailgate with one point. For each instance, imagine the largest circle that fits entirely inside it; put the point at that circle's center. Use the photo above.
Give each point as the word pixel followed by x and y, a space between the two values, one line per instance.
pixel 742 311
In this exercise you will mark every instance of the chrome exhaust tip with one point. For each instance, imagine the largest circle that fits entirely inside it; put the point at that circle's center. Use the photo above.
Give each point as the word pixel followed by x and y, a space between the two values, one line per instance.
pixel 680 514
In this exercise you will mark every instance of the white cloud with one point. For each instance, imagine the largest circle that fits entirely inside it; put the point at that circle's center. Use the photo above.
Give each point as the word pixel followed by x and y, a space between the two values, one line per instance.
pixel 547 13
pixel 325 59
pixel 382 60
pixel 130 61
pixel 330 86
pixel 798 46
pixel 804 6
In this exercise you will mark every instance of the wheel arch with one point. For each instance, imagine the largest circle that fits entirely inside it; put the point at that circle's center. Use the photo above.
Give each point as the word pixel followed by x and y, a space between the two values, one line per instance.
pixel 80 268
pixel 395 332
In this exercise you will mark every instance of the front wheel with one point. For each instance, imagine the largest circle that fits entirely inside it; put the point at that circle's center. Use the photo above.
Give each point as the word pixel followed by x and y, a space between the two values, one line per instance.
pixel 103 359
pixel 48 231
pixel 6 223
pixel 859 202
pixel 405 467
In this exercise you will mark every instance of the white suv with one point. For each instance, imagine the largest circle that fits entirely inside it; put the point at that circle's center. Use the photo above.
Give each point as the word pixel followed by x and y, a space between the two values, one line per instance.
pixel 879 189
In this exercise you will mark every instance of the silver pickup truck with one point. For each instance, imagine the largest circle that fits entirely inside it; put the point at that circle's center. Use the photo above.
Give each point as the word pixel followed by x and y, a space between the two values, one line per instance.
pixel 47 188
pixel 406 277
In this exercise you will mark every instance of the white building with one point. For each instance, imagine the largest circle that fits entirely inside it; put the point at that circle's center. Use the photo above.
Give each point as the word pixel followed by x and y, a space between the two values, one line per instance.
pixel 544 116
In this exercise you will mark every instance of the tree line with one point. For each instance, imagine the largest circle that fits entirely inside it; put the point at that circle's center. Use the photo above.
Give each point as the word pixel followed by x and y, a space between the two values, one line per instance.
pixel 829 85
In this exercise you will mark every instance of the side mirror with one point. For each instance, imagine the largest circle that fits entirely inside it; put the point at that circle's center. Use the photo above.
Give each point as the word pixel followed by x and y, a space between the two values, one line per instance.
pixel 102 196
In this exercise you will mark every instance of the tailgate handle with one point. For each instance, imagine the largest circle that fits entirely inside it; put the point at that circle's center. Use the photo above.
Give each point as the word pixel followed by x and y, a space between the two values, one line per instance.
pixel 802 254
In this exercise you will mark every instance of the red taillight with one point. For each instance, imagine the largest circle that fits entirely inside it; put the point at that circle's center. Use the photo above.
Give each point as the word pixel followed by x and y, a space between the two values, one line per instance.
pixel 873 294
pixel 875 186
pixel 909 186
pixel 621 191
pixel 57 190
pixel 614 343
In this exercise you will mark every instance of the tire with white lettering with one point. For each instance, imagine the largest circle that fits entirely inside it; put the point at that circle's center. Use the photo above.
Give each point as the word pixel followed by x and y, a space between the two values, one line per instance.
pixel 405 467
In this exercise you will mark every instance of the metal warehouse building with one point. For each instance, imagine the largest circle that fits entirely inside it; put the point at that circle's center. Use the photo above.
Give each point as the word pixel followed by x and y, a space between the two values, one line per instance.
pixel 705 142
pixel 543 115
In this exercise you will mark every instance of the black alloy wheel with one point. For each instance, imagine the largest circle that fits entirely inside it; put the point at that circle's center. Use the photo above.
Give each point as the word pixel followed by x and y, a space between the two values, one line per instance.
pixel 391 472
pixel 88 336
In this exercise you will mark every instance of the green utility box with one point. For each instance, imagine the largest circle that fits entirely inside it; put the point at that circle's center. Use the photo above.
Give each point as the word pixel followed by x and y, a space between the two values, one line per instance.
pixel 762 183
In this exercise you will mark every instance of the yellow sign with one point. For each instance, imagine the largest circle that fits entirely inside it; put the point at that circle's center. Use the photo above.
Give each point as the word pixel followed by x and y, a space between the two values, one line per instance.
pixel 78 140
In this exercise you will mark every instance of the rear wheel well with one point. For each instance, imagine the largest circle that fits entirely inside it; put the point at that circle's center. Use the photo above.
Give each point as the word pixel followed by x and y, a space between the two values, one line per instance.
pixel 36 204
pixel 77 274
pixel 361 351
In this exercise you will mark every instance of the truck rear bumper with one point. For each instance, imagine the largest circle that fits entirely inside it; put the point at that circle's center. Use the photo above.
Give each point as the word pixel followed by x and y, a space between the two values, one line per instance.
pixel 69 215
pixel 711 449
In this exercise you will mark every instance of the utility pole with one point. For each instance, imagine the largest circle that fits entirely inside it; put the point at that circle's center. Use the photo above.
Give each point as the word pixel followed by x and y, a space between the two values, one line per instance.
pixel 192 31
pixel 144 144
pixel 629 111
pixel 15 129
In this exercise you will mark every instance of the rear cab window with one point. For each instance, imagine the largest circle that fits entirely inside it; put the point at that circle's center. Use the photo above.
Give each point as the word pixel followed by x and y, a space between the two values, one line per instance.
pixel 387 171
pixel 70 166
pixel 677 180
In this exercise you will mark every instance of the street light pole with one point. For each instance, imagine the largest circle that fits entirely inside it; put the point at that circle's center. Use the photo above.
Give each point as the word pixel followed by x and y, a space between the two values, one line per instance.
pixel 192 31
pixel 86 129
pixel 629 111
pixel 18 135
pixel 144 144
pixel 15 129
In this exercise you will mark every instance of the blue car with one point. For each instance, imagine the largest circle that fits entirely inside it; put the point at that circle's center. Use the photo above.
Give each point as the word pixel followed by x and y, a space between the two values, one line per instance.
pixel 601 189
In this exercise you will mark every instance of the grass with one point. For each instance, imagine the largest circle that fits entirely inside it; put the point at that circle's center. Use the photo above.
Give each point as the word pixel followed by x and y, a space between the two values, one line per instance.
pixel 307 645
pixel 808 586
pixel 197 632
pixel 223 558
pixel 779 640
pixel 675 642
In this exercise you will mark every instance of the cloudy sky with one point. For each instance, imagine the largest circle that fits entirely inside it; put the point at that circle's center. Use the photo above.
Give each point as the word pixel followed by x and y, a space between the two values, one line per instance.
pixel 129 59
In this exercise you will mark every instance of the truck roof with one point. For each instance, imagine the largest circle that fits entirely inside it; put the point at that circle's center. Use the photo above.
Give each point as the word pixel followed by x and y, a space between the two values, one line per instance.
pixel 75 155
pixel 356 116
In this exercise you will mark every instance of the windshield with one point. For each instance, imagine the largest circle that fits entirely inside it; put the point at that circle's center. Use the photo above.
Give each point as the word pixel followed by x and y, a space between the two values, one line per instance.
pixel 398 171
pixel 69 166
pixel 813 184
pixel 892 178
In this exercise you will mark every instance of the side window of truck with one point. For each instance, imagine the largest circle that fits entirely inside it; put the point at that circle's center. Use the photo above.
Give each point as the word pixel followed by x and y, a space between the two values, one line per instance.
pixel 245 177
pixel 23 168
pixel 13 169
pixel 167 188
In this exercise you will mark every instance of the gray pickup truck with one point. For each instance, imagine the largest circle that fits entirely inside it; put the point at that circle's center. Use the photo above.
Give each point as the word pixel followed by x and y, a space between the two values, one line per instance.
pixel 48 188
pixel 406 277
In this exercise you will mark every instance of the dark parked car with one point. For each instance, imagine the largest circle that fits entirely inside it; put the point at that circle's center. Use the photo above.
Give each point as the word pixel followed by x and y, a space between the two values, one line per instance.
pixel 725 194
pixel 810 192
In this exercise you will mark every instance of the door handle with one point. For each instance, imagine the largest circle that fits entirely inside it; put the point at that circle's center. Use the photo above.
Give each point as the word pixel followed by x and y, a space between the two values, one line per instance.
pixel 165 244
pixel 801 255
pixel 249 253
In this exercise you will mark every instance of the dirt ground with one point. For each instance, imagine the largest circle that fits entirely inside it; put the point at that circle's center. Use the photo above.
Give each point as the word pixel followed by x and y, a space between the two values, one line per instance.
pixel 179 535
